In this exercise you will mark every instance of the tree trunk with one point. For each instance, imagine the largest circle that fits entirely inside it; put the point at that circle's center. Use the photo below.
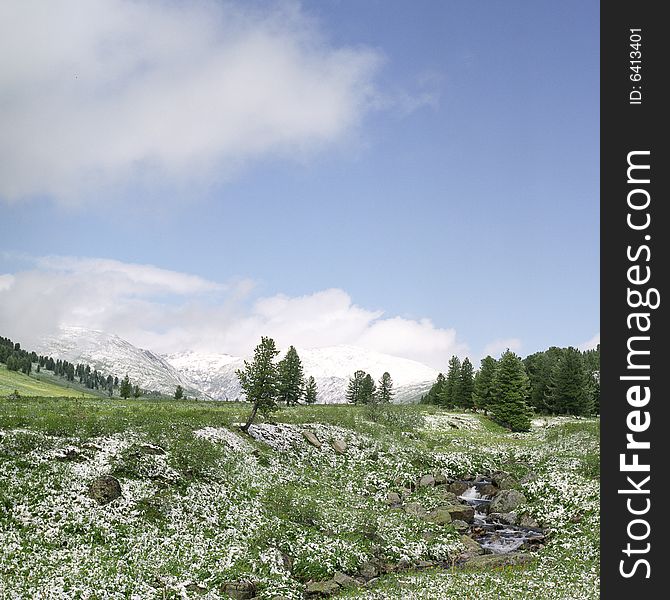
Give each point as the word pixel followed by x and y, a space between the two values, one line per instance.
pixel 250 420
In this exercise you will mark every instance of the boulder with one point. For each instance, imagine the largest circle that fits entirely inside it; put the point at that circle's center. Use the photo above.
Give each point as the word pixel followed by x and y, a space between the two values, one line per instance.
pixel 340 446
pixel 322 588
pixel 196 588
pixel 462 512
pixel 506 500
pixel 345 580
pixel 104 489
pixel 528 521
pixel 508 518
pixel 447 496
pixel 487 489
pixel 414 508
pixel 369 570
pixel 427 481
pixel 472 548
pixel 440 479
pixel 311 438
pixel 240 590
pixel 403 564
pixel 393 499
pixel 505 481
pixel 439 516
pixel 459 487
pixel 460 525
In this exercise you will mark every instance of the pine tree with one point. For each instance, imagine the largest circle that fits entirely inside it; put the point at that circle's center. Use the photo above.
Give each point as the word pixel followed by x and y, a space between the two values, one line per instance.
pixel 368 389
pixel 433 395
pixel 510 392
pixel 466 385
pixel 483 392
pixel 310 390
pixel 355 388
pixel 259 380
pixel 450 388
pixel 568 391
pixel 179 393
pixel 385 389
pixel 126 389
pixel 137 392
pixel 291 380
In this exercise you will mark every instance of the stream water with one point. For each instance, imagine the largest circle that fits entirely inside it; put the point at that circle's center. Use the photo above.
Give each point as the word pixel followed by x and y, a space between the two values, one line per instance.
pixel 495 536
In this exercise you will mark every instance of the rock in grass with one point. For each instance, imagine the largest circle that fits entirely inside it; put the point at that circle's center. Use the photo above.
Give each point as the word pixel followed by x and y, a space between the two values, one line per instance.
pixel 369 570
pixel 460 525
pixel 414 508
pixel 322 588
pixel 507 501
pixel 427 481
pixel 472 548
pixel 240 590
pixel 508 518
pixel 459 487
pixel 312 439
pixel 104 489
pixel 340 446
pixel 462 512
pixel 344 580
pixel 439 516
pixel 393 499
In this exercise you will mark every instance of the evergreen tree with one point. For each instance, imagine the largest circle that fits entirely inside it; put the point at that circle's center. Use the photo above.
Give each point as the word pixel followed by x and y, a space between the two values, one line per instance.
pixel 137 392
pixel 568 391
pixel 310 390
pixel 511 389
pixel 179 393
pixel 385 389
pixel 466 385
pixel 433 395
pixel 483 392
pixel 126 389
pixel 539 367
pixel 450 388
pixel 355 388
pixel 259 380
pixel 368 389
pixel 291 380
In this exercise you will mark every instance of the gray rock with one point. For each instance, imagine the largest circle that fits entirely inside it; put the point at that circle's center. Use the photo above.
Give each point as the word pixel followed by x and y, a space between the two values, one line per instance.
pixel 472 548
pixel 414 508
pixel 369 570
pixel 462 512
pixel 104 489
pixel 507 500
pixel 528 521
pixel 196 588
pixel 427 481
pixel 322 588
pixel 447 496
pixel 440 479
pixel 459 487
pixel 403 564
pixel 345 580
pixel 505 481
pixel 460 525
pixel 240 590
pixel 439 516
pixel 340 446
pixel 312 439
pixel 508 518
pixel 488 489
pixel 393 499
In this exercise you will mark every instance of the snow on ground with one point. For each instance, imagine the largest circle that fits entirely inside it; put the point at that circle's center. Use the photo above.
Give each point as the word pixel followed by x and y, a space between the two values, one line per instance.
pixel 451 421
pixel 221 434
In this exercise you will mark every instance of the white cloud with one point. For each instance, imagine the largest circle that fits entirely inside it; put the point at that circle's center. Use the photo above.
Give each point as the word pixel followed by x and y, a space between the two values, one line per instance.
pixel 102 92
pixel 168 311
pixel 497 347
pixel 590 344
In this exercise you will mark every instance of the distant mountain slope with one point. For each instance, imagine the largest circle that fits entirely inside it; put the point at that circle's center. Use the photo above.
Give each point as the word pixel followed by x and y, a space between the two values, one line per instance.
pixel 331 367
pixel 213 375
pixel 37 385
pixel 111 354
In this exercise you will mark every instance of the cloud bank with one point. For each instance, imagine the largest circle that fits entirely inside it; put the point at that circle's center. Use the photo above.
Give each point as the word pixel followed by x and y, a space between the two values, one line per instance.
pixel 169 311
pixel 99 93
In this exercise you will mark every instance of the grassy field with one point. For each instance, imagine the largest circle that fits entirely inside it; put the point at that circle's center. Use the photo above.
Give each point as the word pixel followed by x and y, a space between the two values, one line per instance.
pixel 37 384
pixel 203 506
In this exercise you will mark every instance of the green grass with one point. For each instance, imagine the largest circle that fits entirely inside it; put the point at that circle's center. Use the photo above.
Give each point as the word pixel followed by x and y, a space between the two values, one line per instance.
pixel 36 385
pixel 208 513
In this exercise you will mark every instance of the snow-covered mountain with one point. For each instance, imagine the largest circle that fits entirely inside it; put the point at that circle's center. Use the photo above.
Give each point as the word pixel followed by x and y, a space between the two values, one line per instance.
pixel 332 367
pixel 112 355
pixel 210 376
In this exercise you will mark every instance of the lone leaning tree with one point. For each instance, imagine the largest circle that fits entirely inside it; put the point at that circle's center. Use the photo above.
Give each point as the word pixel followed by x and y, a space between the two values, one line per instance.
pixel 259 380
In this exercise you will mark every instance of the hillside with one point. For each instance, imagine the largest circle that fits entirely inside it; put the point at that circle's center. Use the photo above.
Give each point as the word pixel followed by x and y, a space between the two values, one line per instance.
pixel 168 499
pixel 37 385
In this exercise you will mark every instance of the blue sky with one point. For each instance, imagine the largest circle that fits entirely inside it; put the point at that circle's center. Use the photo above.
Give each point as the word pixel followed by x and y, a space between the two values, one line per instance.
pixel 462 189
